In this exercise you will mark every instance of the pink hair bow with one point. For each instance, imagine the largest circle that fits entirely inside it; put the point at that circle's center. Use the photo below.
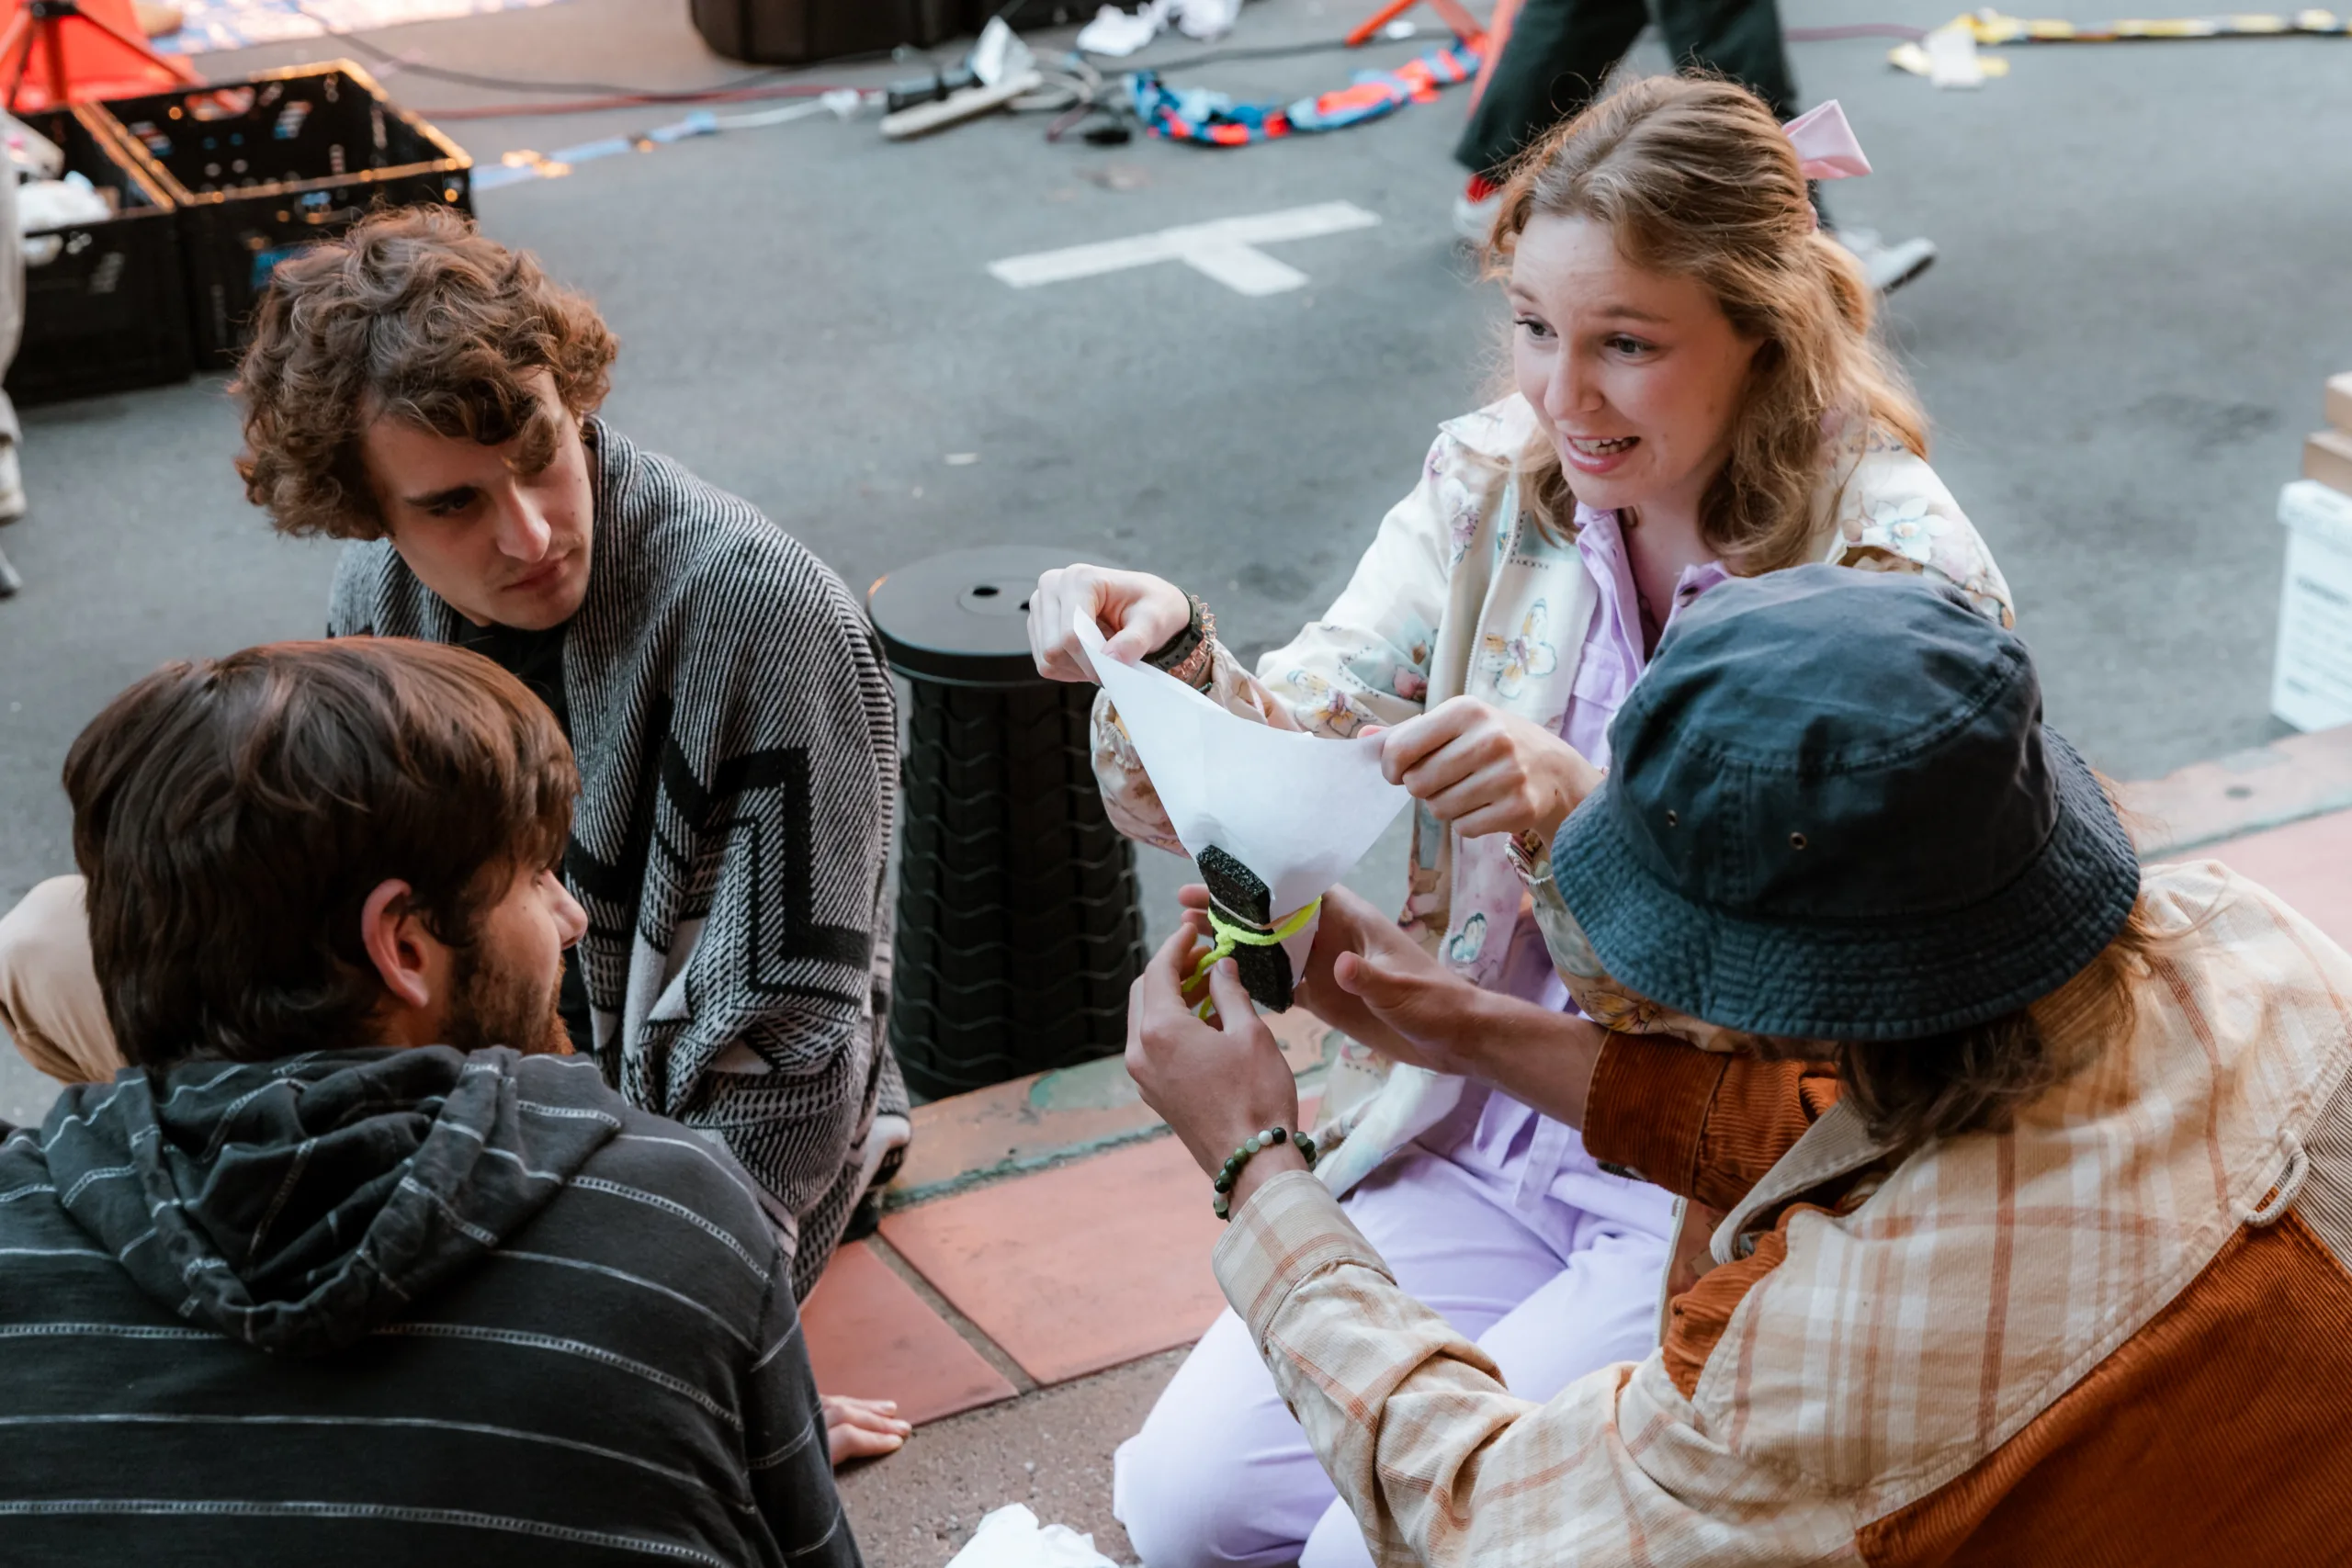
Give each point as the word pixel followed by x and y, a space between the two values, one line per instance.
pixel 1825 146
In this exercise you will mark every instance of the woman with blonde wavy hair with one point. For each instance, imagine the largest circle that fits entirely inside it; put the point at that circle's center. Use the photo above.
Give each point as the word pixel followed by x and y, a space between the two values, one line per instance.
pixel 1698 396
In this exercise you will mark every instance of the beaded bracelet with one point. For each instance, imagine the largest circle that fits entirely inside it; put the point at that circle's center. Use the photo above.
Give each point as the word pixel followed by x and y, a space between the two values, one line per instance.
pixel 1270 1138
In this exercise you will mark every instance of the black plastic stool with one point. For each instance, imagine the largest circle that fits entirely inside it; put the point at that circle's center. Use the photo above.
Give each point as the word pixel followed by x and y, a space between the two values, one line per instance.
pixel 1020 928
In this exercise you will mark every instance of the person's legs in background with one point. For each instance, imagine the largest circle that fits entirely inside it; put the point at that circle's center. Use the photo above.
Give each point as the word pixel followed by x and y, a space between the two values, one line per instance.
pixel 1737 39
pixel 1559 52
pixel 1743 39
pixel 1222 1474
pixel 1558 55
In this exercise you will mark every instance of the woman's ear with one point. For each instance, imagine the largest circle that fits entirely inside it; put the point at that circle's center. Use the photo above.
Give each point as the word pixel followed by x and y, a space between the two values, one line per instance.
pixel 402 951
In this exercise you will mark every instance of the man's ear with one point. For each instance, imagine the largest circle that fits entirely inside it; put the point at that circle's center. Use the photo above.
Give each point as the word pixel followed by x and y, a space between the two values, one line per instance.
pixel 395 941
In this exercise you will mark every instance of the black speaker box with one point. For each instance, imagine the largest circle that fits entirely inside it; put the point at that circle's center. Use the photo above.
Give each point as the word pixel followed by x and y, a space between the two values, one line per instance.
pixel 796 32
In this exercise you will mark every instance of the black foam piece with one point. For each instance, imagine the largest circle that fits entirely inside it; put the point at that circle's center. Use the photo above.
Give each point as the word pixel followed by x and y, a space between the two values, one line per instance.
pixel 1243 900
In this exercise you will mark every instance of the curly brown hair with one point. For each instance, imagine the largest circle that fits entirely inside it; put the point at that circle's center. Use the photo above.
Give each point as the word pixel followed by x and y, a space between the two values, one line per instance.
pixel 414 314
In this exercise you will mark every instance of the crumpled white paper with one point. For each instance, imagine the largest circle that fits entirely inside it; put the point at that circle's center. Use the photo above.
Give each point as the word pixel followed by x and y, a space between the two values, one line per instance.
pixel 59 204
pixel 1000 55
pixel 1952 57
pixel 1206 19
pixel 1010 1537
pixel 1299 810
pixel 1116 32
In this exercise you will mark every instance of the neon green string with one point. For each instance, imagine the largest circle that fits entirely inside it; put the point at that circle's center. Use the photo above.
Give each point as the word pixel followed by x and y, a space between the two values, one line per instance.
pixel 1230 936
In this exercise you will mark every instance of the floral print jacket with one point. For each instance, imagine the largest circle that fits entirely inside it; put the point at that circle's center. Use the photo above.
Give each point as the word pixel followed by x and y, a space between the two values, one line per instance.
pixel 1462 592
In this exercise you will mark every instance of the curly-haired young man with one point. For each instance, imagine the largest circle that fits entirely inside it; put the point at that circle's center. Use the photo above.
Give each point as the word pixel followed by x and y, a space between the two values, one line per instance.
pixel 430 395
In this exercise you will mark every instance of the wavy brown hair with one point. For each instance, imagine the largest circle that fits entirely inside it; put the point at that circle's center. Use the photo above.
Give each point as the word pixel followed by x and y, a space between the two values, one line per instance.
pixel 233 816
pixel 1978 1078
pixel 415 315
pixel 1695 178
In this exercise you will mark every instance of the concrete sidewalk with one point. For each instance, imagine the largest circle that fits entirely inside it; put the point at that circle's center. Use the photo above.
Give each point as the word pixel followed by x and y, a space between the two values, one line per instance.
pixel 1045 1258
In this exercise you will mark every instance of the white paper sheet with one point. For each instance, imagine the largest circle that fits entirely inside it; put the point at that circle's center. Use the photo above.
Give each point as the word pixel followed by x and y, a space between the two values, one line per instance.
pixel 1116 32
pixel 1299 810
pixel 1206 19
pixel 1010 1537
pixel 1952 57
pixel 1000 55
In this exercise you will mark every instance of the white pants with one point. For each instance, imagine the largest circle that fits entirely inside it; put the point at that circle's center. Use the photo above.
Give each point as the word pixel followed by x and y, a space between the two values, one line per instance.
pixel 1221 1473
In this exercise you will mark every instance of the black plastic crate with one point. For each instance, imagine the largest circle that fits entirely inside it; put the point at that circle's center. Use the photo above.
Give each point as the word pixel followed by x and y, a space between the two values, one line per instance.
pixel 262 167
pixel 105 308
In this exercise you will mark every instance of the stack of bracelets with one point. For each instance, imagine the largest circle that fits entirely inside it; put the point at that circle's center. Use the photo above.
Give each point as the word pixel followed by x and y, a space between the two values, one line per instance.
pixel 1271 1137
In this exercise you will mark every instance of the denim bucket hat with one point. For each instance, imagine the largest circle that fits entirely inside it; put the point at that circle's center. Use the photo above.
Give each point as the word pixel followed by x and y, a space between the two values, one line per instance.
pixel 1833 814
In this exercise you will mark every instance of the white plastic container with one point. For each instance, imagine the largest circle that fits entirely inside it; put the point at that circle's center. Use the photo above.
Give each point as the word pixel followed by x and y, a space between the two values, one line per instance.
pixel 2310 686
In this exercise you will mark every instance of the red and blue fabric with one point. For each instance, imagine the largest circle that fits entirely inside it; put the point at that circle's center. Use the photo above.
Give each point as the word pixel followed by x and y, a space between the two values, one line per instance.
pixel 1213 119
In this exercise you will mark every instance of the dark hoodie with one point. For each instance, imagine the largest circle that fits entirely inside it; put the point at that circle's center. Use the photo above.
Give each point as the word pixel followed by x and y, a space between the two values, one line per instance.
pixel 385 1306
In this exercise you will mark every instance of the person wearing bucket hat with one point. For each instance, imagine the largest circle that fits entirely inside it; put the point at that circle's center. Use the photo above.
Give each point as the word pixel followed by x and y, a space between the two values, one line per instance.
pixel 2034 1168
pixel 1757 858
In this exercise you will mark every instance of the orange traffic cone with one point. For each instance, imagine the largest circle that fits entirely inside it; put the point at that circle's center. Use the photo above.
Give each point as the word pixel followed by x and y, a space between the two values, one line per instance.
pixel 56 52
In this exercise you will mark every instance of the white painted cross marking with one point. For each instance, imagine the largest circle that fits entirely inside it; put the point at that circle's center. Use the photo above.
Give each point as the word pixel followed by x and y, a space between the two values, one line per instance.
pixel 1225 250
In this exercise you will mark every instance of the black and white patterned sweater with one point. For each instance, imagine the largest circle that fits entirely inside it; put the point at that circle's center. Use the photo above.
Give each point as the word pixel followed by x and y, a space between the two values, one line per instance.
pixel 738 745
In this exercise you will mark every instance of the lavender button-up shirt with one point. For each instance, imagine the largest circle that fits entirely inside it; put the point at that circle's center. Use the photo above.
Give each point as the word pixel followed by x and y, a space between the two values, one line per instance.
pixel 1522 1156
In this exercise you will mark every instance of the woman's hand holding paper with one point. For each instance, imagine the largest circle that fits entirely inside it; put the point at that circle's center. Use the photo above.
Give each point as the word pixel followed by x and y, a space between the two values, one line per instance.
pixel 1485 770
pixel 1294 811
pixel 1137 612
pixel 1215 1083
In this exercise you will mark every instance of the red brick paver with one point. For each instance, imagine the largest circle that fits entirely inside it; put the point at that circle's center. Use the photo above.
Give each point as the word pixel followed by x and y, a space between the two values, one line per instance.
pixel 1029 1123
pixel 2246 792
pixel 1074 1270
pixel 2308 864
pixel 872 1337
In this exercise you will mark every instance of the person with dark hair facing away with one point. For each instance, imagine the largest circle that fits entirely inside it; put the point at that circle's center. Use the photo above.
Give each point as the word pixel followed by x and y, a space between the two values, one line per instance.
pixel 1557 58
pixel 425 392
pixel 2026 1174
pixel 350 1265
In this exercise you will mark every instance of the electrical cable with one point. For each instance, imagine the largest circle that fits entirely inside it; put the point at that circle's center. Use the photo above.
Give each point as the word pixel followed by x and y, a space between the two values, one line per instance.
pixel 1073 92
pixel 627 101
pixel 1073 85
pixel 804 109
pixel 1853 31
pixel 1269 51
pixel 1068 118
pixel 519 84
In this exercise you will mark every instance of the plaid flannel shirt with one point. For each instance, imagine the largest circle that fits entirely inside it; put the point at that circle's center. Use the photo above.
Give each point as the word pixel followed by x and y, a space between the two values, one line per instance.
pixel 2093 1337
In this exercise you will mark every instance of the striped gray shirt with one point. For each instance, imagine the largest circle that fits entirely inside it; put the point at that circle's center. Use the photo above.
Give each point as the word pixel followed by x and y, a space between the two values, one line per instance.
pixel 396 1307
